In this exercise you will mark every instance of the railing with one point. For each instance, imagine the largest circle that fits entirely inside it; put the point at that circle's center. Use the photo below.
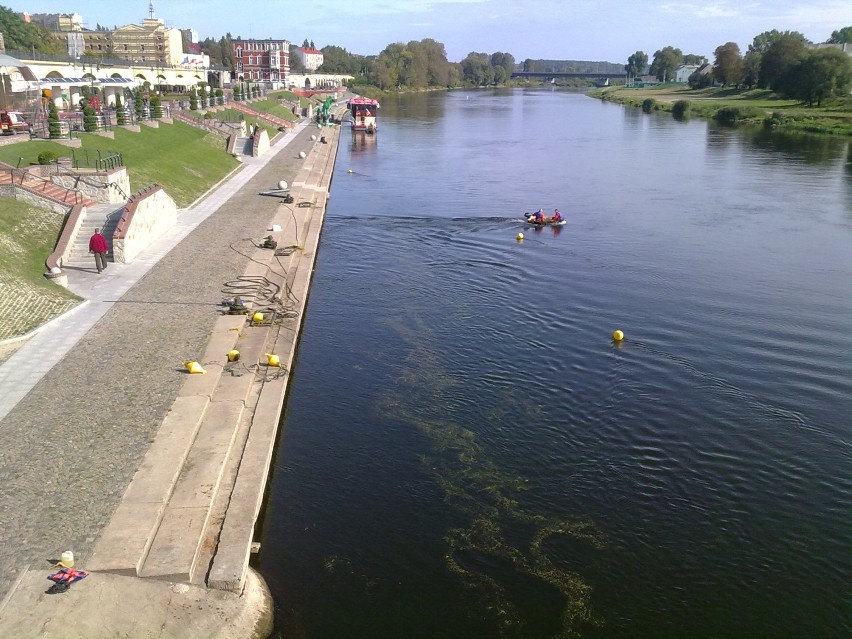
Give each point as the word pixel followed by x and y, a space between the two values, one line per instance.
pixel 106 160
pixel 36 184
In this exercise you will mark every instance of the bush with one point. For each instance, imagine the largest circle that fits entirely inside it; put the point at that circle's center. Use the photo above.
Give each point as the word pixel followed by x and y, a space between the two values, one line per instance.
pixel 220 97
pixel 120 113
pixel 47 157
pixel 54 126
pixel 90 120
pixel 156 106
pixel 734 114
pixel 699 80
pixel 680 109
pixel 648 105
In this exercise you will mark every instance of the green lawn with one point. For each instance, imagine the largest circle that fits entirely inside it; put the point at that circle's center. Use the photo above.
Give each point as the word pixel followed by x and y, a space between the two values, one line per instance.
pixel 27 299
pixel 833 117
pixel 184 160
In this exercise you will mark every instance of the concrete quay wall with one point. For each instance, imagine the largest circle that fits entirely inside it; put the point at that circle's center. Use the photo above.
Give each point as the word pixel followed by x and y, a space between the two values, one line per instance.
pixel 182 530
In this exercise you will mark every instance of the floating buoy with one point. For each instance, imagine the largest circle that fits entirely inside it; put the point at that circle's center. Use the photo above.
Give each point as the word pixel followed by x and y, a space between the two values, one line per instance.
pixel 349 171
pixel 233 355
pixel 617 335
pixel 194 367
pixel 519 237
pixel 257 318
pixel 272 360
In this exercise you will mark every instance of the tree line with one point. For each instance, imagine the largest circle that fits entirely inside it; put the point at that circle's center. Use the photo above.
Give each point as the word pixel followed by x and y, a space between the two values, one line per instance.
pixel 782 61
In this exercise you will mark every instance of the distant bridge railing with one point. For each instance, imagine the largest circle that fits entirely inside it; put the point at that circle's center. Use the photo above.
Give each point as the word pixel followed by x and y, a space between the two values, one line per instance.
pixel 561 74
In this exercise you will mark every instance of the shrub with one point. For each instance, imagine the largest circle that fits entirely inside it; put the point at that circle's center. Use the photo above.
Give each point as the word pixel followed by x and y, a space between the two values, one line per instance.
pixel 648 105
pixel 156 106
pixel 90 120
pixel 680 109
pixel 734 114
pixel 220 97
pixel 47 157
pixel 54 127
pixel 120 113
pixel 193 100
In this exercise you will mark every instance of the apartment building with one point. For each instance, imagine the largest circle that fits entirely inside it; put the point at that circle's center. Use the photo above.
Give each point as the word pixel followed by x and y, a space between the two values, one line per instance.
pixel 265 61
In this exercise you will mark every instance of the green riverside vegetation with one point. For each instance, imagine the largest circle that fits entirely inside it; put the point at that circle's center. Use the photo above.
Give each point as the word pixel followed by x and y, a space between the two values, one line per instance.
pixel 27 300
pixel 184 160
pixel 738 106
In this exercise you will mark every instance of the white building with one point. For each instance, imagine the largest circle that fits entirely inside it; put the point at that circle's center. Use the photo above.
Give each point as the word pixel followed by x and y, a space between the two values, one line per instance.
pixel 683 72
pixel 311 58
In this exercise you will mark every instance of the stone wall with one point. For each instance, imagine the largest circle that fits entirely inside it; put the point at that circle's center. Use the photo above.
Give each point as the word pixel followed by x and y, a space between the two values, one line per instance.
pixel 148 215
pixel 106 187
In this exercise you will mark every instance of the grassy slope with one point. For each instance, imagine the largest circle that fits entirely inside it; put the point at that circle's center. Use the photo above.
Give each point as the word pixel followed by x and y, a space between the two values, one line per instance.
pixel 833 117
pixel 27 237
pixel 186 161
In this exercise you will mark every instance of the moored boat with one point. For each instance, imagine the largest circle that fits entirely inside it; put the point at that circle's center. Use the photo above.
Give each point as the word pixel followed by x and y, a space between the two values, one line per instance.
pixel 363 114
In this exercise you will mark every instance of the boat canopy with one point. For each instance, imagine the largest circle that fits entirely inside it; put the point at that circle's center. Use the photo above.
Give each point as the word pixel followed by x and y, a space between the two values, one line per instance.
pixel 363 102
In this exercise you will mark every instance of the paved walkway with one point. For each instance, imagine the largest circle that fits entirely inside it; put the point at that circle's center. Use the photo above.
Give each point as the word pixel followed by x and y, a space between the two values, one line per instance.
pixel 81 400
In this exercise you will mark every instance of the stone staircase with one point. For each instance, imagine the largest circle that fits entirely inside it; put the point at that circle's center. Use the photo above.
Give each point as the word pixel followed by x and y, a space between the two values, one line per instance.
pixel 98 216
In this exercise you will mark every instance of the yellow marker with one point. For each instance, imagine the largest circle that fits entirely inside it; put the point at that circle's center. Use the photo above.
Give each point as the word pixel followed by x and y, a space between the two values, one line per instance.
pixel 257 318
pixel 194 367
pixel 272 360
pixel 519 237
pixel 233 355
pixel 617 335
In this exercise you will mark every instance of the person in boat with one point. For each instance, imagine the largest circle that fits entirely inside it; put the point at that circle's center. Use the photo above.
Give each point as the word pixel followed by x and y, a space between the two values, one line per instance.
pixel 557 216
pixel 537 217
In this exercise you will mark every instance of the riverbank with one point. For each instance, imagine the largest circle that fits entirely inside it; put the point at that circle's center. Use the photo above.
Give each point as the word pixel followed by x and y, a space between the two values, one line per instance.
pixel 737 106
pixel 123 390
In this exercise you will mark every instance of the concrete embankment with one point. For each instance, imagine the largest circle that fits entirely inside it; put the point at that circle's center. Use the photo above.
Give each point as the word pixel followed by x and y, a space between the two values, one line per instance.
pixel 164 471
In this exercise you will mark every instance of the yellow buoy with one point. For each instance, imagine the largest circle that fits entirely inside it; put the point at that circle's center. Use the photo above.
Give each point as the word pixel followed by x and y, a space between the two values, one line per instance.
pixel 349 171
pixel 519 237
pixel 194 367
pixel 272 360
pixel 617 335
pixel 233 355
pixel 257 318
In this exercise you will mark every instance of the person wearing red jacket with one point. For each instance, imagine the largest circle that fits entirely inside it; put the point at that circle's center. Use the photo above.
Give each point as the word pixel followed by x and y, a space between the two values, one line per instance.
pixel 98 246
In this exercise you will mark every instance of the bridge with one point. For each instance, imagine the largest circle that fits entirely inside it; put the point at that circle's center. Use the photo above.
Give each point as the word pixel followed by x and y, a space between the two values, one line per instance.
pixel 566 74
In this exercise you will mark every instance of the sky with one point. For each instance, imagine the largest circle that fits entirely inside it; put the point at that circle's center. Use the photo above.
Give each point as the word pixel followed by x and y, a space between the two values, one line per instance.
pixel 607 30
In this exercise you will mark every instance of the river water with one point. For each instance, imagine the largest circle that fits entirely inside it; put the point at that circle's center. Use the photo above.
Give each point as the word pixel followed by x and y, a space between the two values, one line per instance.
pixel 467 453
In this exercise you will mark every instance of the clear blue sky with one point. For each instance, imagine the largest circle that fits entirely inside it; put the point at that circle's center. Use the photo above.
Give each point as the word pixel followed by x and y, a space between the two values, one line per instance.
pixel 608 30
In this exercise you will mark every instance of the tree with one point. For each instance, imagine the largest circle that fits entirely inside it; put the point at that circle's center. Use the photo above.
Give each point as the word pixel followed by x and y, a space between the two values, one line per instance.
pixel 818 75
pixel 694 58
pixel 698 80
pixel 763 41
pixel 27 36
pixel 636 64
pixel 476 69
pixel 296 65
pixel 785 52
pixel 666 60
pixel 751 68
pixel 728 67
pixel 841 36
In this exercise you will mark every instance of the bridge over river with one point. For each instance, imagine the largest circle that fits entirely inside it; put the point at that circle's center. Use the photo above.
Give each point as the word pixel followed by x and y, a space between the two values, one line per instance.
pixel 566 74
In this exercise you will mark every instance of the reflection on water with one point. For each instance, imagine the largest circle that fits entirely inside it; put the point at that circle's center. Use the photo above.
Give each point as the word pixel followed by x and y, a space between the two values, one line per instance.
pixel 363 142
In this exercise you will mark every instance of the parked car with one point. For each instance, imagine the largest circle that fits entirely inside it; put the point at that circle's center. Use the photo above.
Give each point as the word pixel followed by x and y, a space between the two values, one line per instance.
pixel 12 122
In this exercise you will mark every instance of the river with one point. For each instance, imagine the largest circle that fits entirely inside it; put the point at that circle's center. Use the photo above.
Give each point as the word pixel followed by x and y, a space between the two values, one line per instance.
pixel 465 450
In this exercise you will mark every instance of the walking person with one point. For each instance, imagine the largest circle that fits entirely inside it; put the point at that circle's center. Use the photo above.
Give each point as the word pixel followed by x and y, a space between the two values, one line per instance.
pixel 98 246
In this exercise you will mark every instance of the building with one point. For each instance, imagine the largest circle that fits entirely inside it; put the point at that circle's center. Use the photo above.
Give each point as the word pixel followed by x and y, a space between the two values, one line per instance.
pixel 311 59
pixel 56 21
pixel 683 72
pixel 150 43
pixel 266 61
